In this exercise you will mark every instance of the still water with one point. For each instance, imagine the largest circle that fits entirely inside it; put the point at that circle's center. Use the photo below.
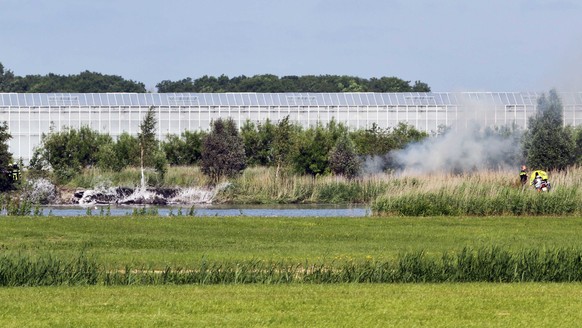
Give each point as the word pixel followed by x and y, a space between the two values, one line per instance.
pixel 211 210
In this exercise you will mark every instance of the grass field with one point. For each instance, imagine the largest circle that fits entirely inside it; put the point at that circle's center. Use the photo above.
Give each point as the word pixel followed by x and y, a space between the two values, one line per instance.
pixel 344 305
pixel 180 241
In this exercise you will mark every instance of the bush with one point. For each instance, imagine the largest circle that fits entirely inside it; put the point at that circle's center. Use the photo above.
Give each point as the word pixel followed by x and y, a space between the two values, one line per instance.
pixel 223 153
pixel 343 159
pixel 69 151
pixel 6 182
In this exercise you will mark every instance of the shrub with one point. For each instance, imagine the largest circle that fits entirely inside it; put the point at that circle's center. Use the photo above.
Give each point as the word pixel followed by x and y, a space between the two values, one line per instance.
pixel 223 152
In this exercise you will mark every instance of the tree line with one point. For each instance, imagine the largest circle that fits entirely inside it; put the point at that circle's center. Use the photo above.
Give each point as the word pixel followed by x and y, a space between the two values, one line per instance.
pixel 93 82
pixel 84 82
pixel 225 150
pixel 307 83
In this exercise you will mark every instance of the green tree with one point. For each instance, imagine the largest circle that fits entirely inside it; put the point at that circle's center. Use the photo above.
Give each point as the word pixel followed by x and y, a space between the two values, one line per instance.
pixel 6 182
pixel 314 146
pixel 420 86
pixel 372 141
pixel 403 134
pixel 577 136
pixel 124 152
pixel 174 148
pixel 82 82
pixel 258 139
pixel 183 150
pixel 546 143
pixel 223 152
pixel 284 141
pixel 306 83
pixel 343 159
pixel 69 151
pixel 150 153
pixel 6 79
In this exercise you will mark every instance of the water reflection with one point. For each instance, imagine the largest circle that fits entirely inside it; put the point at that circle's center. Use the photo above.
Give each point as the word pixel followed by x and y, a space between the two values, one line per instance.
pixel 210 210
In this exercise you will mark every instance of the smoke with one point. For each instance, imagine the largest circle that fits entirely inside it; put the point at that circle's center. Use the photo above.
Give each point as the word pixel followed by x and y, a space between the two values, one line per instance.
pixel 470 144
pixel 474 148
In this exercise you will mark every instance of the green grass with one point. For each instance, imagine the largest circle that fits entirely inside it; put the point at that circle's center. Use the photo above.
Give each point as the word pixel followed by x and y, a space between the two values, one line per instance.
pixel 342 305
pixel 182 241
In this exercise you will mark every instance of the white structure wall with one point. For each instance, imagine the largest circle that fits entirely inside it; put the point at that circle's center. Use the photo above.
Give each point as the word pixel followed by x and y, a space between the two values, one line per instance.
pixel 29 115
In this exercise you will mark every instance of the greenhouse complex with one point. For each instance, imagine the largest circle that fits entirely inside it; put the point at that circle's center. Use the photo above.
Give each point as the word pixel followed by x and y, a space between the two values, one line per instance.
pixel 29 115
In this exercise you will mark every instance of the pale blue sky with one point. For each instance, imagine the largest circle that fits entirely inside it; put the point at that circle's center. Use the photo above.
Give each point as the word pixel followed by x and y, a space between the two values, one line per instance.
pixel 465 45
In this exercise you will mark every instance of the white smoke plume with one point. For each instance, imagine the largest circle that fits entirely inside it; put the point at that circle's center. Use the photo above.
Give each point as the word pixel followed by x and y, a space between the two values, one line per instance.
pixel 471 144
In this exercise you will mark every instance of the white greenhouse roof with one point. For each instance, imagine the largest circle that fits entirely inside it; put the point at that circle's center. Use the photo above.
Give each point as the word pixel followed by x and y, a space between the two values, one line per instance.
pixel 274 99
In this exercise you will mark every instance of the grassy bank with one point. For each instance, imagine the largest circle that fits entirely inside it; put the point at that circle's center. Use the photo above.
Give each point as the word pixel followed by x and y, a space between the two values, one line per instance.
pixel 342 305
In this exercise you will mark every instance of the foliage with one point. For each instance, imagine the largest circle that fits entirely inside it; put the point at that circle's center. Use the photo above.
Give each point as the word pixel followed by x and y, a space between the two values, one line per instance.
pixel 6 182
pixel 306 83
pixel 314 146
pixel 404 134
pixel 84 82
pixel 258 139
pixel 94 82
pixel 284 142
pixel 147 137
pixel 69 151
pixel 6 79
pixel 15 206
pixel 372 141
pixel 343 159
pixel 24 270
pixel 223 152
pixel 184 150
pixel 577 137
pixel 547 144
pixel 150 153
pixel 378 141
pixel 482 194
pixel 484 264
pixel 124 152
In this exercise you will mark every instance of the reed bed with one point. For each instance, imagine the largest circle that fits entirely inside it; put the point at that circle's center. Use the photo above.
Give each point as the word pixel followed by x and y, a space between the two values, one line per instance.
pixel 404 193
pixel 481 194
pixel 485 264
pixel 261 185
pixel 183 176
pixel 47 270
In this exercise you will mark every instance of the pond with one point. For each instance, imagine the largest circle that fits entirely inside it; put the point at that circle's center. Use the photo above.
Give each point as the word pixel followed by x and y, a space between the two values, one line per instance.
pixel 210 210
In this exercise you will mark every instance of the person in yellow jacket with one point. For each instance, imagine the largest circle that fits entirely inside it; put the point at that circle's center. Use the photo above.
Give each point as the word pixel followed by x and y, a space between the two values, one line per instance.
pixel 15 172
pixel 523 175
pixel 539 178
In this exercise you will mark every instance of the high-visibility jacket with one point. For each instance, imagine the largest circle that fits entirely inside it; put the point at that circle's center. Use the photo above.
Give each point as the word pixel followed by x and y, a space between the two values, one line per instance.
pixel 523 176
pixel 16 175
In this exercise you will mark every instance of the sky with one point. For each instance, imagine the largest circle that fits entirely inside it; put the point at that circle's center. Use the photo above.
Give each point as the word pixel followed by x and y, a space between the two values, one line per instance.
pixel 452 45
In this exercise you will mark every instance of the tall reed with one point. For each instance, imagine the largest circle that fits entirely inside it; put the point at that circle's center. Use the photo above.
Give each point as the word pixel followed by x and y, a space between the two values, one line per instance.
pixel 262 185
pixel 484 264
pixel 47 270
pixel 481 194
pixel 477 193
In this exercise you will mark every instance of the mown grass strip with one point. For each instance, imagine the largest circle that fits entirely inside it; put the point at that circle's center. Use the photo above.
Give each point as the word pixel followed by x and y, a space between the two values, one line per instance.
pixel 296 305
